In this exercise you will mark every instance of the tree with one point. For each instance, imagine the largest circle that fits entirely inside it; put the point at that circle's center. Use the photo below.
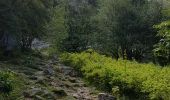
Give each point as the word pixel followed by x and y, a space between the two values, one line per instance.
pixel 23 20
pixel 78 25
pixel 33 15
pixel 56 29
pixel 125 26
pixel 162 49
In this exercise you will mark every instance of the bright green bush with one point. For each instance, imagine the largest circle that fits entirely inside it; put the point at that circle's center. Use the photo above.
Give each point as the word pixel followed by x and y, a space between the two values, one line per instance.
pixel 147 80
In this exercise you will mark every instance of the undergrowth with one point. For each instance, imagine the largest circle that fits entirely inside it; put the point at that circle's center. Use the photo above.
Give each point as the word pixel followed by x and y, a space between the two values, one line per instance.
pixel 11 85
pixel 147 81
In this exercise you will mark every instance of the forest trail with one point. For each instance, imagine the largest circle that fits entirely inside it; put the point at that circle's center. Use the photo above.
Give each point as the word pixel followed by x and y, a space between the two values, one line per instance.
pixel 45 78
pixel 55 81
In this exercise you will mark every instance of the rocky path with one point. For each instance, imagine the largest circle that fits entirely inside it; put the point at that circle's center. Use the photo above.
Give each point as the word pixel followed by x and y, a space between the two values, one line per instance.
pixel 58 82
pixel 47 79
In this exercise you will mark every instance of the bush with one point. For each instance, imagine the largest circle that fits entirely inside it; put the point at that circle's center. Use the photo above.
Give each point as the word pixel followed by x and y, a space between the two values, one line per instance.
pixel 11 85
pixel 5 83
pixel 144 80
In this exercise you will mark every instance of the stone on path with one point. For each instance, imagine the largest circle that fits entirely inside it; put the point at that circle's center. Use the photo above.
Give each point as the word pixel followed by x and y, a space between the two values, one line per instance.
pixel 105 96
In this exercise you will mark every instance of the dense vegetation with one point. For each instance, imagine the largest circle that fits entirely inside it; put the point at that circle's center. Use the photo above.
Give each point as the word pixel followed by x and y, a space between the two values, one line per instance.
pixel 134 36
pixel 22 21
pixel 121 27
pixel 146 81
pixel 124 26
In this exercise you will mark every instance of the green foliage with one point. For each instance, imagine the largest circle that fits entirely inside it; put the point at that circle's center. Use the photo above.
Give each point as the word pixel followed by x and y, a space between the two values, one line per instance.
pixel 162 49
pixel 56 28
pixel 127 25
pixel 5 83
pixel 24 20
pixel 78 25
pixel 11 85
pixel 166 10
pixel 144 80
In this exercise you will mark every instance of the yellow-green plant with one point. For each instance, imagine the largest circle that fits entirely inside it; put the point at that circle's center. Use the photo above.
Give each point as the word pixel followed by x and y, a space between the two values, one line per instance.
pixel 147 80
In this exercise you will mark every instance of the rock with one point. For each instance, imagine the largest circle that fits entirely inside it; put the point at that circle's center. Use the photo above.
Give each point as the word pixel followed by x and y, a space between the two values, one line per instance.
pixel 39 73
pixel 38 79
pixel 76 96
pixel 37 97
pixel 49 71
pixel 67 70
pixel 38 44
pixel 105 96
pixel 72 80
pixel 52 78
pixel 42 82
pixel 82 85
pixel 33 92
pixel 49 96
pixel 67 84
pixel 59 92
pixel 33 77
pixel 36 91
pixel 26 94
pixel 68 98
pixel 77 85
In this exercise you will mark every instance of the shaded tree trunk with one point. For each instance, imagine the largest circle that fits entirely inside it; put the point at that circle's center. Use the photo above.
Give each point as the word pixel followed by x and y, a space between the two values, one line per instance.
pixel 26 42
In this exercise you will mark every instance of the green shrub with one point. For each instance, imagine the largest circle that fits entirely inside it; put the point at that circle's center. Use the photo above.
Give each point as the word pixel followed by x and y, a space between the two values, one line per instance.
pixel 11 85
pixel 5 83
pixel 146 80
